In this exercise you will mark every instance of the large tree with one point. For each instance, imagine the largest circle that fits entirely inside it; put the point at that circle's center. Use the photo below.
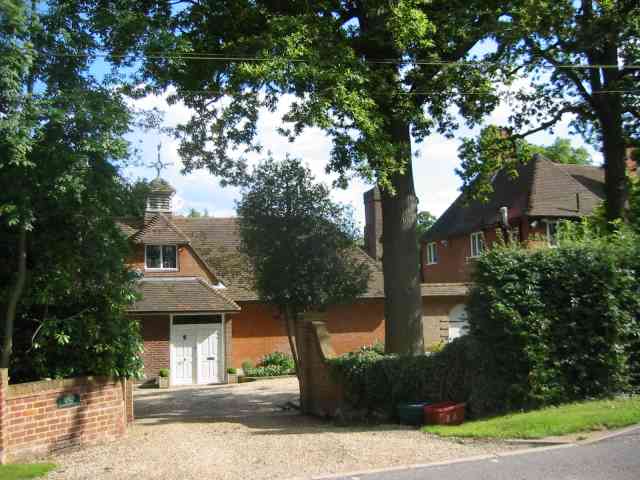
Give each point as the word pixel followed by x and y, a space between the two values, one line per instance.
pixel 582 58
pixel 374 75
pixel 63 283
pixel 301 244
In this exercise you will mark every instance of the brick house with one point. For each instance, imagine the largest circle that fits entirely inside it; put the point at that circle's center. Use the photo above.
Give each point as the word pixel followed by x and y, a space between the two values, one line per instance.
pixel 199 313
pixel 523 209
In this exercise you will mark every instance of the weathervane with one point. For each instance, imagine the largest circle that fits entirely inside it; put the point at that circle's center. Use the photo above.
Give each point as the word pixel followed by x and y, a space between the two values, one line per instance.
pixel 158 164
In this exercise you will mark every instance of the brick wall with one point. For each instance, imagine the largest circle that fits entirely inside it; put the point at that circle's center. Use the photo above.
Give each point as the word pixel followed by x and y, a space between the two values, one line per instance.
pixel 155 333
pixel 32 424
pixel 258 329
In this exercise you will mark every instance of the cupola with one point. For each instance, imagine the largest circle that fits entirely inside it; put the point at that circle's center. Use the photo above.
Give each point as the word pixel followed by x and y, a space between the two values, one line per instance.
pixel 159 198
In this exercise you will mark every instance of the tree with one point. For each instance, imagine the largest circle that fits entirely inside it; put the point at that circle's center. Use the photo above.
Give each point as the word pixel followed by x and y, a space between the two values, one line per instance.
pixel 374 75
pixel 424 223
pixel 62 139
pixel 193 213
pixel 581 57
pixel 561 151
pixel 300 243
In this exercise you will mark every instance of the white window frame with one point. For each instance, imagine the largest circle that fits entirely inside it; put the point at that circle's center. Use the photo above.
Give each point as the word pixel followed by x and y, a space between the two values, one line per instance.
pixel 473 236
pixel 161 269
pixel 548 230
pixel 432 253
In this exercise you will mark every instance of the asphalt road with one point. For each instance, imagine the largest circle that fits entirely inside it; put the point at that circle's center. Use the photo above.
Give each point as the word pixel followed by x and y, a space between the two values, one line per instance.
pixel 616 458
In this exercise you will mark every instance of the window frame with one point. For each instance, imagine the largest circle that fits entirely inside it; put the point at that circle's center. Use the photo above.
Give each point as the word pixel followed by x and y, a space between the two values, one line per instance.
pixel 432 253
pixel 161 268
pixel 472 236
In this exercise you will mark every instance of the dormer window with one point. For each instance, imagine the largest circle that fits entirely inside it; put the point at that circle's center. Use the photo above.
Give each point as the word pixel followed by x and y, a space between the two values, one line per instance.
pixel 160 257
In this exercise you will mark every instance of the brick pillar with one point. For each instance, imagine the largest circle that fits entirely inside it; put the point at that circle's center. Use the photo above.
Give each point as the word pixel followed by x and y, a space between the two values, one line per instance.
pixel 4 391
pixel 228 346
pixel 320 394
pixel 127 398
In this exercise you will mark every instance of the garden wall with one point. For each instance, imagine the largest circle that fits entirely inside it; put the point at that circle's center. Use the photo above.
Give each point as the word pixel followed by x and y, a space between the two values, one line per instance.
pixel 37 418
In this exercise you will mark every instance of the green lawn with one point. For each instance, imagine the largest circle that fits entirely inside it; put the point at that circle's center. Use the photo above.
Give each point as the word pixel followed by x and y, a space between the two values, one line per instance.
pixel 23 471
pixel 562 420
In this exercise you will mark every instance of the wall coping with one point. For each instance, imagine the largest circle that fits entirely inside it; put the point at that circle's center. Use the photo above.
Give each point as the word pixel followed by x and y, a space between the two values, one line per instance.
pixel 26 389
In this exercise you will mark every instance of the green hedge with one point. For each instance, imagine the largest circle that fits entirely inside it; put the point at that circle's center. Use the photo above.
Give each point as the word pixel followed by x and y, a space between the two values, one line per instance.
pixel 547 326
pixel 271 365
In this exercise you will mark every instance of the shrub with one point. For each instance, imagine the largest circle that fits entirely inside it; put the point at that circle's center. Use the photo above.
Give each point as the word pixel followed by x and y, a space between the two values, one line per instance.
pixel 278 359
pixel 556 325
pixel 373 381
pixel 377 347
pixel 232 370
pixel 246 367
pixel 163 372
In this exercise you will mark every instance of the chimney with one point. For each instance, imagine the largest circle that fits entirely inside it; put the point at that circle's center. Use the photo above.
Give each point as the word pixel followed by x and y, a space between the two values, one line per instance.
pixel 159 198
pixel 631 159
pixel 373 223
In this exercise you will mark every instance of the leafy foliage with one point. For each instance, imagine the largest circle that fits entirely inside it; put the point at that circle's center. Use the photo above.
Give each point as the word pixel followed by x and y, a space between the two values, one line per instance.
pixel 62 143
pixel 300 243
pixel 271 365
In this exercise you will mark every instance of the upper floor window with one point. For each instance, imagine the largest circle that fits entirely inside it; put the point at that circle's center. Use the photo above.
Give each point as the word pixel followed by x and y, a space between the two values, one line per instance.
pixel 477 244
pixel 161 257
pixel 552 233
pixel 432 253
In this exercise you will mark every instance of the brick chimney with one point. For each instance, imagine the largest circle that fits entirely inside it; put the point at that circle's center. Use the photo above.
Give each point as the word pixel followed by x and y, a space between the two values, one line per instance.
pixel 373 223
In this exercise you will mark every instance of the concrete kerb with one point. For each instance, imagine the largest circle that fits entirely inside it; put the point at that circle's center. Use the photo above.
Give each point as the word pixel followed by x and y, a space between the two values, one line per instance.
pixel 476 458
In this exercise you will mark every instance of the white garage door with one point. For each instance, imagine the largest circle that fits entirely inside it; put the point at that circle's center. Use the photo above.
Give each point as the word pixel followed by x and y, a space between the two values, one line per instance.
pixel 458 322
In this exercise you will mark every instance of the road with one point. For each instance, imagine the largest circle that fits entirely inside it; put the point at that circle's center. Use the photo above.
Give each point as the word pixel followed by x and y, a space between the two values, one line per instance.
pixel 616 458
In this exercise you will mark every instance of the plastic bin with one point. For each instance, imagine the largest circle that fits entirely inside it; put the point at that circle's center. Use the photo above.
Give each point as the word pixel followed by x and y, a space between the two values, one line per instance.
pixel 411 413
pixel 444 413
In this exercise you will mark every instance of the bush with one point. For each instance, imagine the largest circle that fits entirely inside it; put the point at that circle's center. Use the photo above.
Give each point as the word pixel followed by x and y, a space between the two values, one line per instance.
pixel 377 347
pixel 373 381
pixel 272 365
pixel 232 371
pixel 163 372
pixel 556 325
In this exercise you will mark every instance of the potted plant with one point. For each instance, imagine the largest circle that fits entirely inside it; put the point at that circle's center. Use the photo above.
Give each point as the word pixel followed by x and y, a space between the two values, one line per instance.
pixel 232 375
pixel 163 378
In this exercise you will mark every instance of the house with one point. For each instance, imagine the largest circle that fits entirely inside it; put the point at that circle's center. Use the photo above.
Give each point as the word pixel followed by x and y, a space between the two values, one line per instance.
pixel 199 312
pixel 523 209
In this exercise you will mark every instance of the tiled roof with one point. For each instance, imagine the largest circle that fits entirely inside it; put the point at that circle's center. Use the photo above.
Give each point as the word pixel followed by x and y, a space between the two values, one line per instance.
pixel 173 294
pixel 217 242
pixel 541 189
pixel 160 230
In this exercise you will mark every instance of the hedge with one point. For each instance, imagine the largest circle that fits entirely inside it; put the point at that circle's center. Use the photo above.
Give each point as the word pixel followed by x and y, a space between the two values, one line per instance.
pixel 547 326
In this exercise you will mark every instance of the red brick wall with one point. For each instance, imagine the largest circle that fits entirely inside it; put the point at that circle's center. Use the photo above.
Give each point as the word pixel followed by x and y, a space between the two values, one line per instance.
pixel 33 425
pixel 155 334
pixel 257 329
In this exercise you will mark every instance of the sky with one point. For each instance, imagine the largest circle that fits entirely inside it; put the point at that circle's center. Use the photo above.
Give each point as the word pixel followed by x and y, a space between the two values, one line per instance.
pixel 434 162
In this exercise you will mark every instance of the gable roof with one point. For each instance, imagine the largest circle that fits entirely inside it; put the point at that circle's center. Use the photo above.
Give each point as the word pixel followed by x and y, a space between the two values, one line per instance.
pixel 179 294
pixel 216 241
pixel 541 188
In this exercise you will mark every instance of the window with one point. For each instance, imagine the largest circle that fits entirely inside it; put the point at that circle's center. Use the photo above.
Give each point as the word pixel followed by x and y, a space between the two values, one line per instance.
pixel 458 322
pixel 432 253
pixel 477 244
pixel 552 233
pixel 161 257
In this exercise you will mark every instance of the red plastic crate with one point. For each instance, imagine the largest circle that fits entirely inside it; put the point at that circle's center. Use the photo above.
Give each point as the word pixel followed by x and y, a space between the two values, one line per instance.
pixel 444 413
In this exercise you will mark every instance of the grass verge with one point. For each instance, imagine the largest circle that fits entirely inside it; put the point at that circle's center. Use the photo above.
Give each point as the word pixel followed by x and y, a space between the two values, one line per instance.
pixel 551 421
pixel 23 471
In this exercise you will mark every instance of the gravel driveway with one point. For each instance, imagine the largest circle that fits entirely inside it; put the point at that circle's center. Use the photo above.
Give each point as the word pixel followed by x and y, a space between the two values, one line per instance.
pixel 241 431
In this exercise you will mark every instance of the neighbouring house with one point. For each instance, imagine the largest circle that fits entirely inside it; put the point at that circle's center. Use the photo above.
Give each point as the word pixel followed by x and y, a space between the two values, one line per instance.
pixel 199 312
pixel 524 209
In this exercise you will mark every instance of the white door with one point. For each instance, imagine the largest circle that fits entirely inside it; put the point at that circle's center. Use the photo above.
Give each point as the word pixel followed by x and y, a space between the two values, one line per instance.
pixel 209 338
pixel 458 323
pixel 184 346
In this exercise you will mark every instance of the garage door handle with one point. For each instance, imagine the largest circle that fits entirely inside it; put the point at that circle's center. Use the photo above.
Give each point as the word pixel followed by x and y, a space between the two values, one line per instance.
pixel 211 358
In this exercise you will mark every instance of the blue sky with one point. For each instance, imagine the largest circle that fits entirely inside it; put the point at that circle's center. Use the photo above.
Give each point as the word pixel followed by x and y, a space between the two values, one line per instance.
pixel 434 163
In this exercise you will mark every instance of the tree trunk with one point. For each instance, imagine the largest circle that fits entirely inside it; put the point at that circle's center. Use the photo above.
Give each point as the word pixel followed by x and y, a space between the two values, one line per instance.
pixel 14 298
pixel 614 151
pixel 291 319
pixel 400 262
